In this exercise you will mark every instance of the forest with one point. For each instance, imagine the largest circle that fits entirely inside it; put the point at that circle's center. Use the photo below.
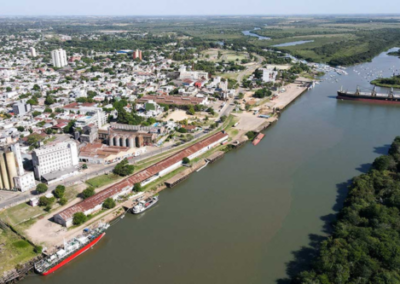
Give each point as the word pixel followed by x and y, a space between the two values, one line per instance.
pixel 392 82
pixel 365 244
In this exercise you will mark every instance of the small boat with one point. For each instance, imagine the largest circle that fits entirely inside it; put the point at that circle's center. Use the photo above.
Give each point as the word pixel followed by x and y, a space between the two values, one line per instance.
pixel 72 249
pixel 143 205
pixel 258 139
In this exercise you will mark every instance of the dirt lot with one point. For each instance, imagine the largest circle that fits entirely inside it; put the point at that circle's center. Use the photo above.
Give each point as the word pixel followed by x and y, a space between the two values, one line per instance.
pixel 177 115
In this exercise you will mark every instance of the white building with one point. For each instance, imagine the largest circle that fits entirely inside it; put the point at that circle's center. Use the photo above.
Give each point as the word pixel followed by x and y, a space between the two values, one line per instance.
pixel 98 118
pixel 192 75
pixel 21 107
pixel 59 57
pixel 269 75
pixel 32 51
pixel 62 158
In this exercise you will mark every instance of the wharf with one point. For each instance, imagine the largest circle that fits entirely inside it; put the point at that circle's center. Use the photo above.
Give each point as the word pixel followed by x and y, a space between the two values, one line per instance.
pixel 216 156
pixel 184 175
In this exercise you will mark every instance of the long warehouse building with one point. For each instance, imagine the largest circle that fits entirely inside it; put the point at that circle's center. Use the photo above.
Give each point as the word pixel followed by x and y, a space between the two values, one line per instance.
pixel 94 203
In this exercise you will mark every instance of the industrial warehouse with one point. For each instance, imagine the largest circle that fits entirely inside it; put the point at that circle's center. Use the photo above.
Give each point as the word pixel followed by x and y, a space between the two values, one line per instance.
pixel 144 177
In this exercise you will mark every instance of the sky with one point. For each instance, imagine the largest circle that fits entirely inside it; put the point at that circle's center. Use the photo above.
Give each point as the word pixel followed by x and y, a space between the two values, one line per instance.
pixel 203 7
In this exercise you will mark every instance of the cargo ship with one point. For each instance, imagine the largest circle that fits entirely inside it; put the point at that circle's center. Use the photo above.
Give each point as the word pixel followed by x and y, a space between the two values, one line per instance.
pixel 143 205
pixel 72 249
pixel 258 139
pixel 372 97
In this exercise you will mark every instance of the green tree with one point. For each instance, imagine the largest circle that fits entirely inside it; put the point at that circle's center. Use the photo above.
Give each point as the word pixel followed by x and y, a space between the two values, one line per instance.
pixel 79 218
pixel 41 188
pixel 59 191
pixel 84 166
pixel 63 201
pixel 44 201
pixel 49 100
pixel 137 187
pixel 109 203
pixel 123 168
pixel 186 160
pixel 191 110
pixel 89 191
pixel 384 163
pixel 8 89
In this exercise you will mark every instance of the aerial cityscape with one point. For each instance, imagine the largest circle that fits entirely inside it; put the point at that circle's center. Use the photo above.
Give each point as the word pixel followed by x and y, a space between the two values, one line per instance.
pixel 250 143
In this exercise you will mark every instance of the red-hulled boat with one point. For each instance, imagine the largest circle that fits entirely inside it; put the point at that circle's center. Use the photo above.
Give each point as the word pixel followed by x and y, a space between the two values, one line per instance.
pixel 71 250
pixel 258 139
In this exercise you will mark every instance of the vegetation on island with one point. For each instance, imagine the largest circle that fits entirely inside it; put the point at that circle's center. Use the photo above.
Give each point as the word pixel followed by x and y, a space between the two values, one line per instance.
pixel 392 82
pixel 365 244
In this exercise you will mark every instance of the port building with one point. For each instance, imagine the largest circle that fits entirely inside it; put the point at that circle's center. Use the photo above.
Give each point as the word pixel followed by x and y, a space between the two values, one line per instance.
pixel 146 176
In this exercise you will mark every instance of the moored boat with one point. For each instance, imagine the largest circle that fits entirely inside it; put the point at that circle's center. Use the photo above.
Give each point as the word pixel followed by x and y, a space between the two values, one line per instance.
pixel 258 138
pixel 143 205
pixel 72 249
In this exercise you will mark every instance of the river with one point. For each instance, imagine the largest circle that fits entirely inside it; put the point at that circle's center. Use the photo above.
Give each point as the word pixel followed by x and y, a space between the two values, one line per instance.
pixel 247 217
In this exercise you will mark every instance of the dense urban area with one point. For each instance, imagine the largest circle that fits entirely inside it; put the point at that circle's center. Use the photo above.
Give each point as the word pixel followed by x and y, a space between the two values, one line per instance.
pixel 98 114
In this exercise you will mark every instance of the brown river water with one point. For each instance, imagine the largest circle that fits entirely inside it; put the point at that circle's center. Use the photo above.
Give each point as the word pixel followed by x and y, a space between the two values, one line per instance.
pixel 256 215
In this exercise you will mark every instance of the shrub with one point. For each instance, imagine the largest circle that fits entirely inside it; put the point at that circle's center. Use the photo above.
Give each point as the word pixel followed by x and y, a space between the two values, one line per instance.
pixel 186 160
pixel 79 218
pixel 109 203
pixel 38 249
pixel 59 191
pixel 84 166
pixel 41 188
pixel 88 192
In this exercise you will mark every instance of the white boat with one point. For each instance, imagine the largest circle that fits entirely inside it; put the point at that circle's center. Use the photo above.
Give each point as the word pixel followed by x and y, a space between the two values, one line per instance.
pixel 143 205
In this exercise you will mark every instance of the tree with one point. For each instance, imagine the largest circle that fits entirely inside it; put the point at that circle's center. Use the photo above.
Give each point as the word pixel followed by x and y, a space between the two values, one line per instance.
pixel 186 160
pixel 191 110
pixel 49 100
pixel 88 192
pixel 8 89
pixel 182 130
pixel 36 87
pixel 123 168
pixel 41 188
pixel 109 203
pixel 262 93
pixel 38 249
pixel 223 118
pixel 63 201
pixel 84 166
pixel 59 191
pixel 44 201
pixel 384 163
pixel 79 218
pixel 137 187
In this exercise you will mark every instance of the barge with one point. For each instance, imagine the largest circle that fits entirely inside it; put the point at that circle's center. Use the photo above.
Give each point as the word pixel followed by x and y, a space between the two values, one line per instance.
pixel 258 138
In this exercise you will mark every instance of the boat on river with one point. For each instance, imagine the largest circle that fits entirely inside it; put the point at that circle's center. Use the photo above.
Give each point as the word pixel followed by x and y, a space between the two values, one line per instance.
pixel 143 205
pixel 258 138
pixel 72 249
pixel 372 97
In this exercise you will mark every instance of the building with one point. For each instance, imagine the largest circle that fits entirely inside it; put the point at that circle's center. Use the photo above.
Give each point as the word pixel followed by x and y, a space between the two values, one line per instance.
pixel 175 100
pixel 90 133
pixel 98 118
pixel 32 51
pixel 192 75
pixel 56 160
pixel 98 153
pixel 269 75
pixel 12 173
pixel 137 54
pixel 59 58
pixel 132 136
pixel 94 203
pixel 21 107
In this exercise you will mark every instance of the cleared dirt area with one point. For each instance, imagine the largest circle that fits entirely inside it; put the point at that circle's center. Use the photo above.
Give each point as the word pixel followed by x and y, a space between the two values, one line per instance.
pixel 178 115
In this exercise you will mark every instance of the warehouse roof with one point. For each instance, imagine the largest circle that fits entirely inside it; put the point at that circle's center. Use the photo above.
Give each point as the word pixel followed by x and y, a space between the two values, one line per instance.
pixel 141 176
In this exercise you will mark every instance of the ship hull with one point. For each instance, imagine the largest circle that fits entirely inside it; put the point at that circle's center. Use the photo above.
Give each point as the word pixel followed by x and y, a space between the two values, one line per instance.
pixel 376 100
pixel 74 255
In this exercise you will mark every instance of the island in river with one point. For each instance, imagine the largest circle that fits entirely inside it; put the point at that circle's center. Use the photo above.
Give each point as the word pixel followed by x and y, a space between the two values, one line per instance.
pixel 392 82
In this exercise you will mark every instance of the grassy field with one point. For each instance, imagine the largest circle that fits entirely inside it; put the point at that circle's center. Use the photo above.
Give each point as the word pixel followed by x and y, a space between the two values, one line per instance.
pixel 103 180
pixel 225 55
pixel 13 250
pixel 21 216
